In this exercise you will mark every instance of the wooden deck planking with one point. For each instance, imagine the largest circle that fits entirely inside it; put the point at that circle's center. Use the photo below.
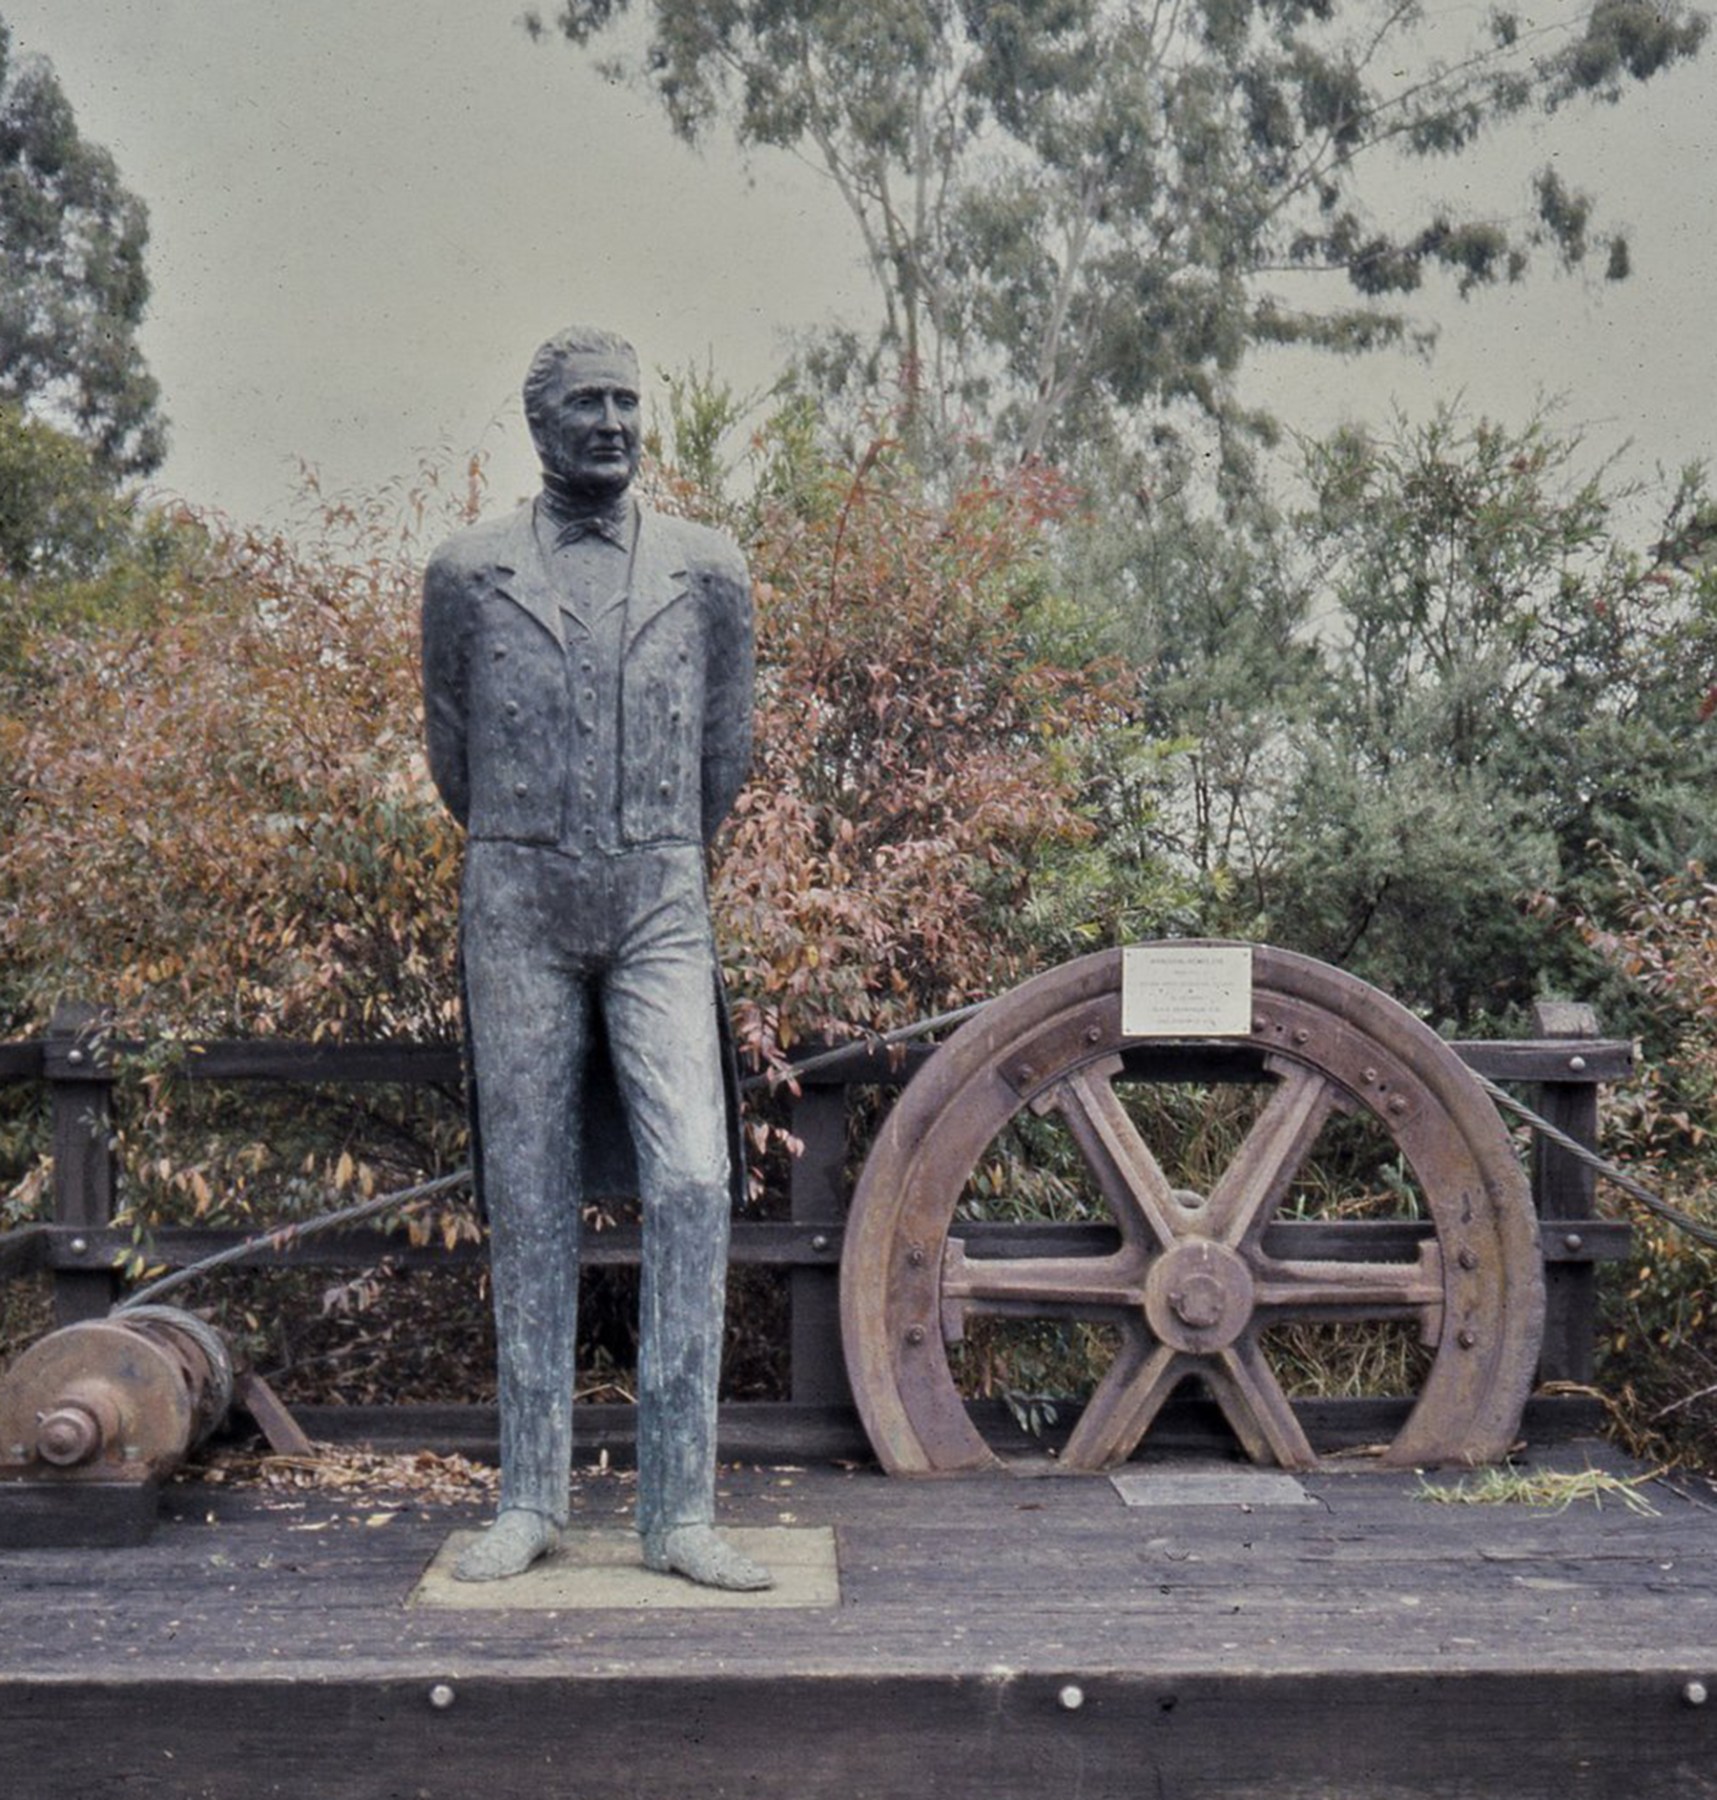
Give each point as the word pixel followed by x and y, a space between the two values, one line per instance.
pixel 1371 1645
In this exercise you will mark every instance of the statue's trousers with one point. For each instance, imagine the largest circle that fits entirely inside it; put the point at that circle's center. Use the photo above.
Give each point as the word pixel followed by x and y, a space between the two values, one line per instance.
pixel 549 941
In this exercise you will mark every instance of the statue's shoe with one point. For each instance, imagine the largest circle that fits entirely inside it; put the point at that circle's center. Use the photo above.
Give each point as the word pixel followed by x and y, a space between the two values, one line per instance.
pixel 517 1539
pixel 701 1554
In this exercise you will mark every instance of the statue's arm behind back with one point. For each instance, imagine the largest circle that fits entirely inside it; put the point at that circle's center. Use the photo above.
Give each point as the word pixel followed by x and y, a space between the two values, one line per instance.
pixel 732 674
pixel 446 633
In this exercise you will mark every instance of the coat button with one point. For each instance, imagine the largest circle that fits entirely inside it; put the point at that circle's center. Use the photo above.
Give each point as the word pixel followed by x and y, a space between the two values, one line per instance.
pixel 521 788
pixel 512 709
pixel 500 651
pixel 665 789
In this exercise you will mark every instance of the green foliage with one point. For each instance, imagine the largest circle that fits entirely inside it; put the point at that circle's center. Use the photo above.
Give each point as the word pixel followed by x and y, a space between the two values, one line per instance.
pixel 59 516
pixel 1427 709
pixel 1659 1342
pixel 1076 212
pixel 74 551
pixel 1215 621
pixel 73 287
pixel 704 416
pixel 1515 697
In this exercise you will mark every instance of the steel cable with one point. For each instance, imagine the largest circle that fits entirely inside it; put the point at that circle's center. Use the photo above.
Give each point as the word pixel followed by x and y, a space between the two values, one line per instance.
pixel 1630 1185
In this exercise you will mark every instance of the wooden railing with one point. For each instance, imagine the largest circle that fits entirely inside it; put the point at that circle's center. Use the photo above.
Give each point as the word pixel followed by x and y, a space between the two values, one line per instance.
pixel 1558 1073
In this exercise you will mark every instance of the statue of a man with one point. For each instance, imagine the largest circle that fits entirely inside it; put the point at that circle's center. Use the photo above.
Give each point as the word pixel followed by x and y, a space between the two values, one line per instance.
pixel 587 678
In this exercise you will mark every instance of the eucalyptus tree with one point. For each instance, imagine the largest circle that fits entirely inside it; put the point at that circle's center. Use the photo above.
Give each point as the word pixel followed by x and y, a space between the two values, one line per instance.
pixel 73 285
pixel 1078 214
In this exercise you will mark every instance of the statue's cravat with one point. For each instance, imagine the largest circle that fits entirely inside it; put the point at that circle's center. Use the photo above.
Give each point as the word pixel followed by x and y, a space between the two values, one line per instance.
pixel 572 519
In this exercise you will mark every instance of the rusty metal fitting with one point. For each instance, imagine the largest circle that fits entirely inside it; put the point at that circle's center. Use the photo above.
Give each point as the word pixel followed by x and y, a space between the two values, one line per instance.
pixel 69 1435
pixel 119 1398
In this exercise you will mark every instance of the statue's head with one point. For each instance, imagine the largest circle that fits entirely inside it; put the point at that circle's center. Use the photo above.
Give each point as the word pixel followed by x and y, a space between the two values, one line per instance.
pixel 581 403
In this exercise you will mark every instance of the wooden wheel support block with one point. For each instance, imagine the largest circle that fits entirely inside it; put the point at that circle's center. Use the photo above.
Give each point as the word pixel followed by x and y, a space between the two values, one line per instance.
pixel 86 1515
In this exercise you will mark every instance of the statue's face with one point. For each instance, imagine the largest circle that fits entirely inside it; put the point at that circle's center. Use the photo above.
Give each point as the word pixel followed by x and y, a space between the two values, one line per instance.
pixel 586 423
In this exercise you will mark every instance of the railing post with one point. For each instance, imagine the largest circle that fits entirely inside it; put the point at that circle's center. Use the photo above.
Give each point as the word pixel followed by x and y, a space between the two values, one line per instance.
pixel 818 1367
pixel 79 1074
pixel 1565 1188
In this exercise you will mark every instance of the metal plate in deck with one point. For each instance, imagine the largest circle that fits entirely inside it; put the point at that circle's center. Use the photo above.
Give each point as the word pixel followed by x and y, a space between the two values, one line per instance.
pixel 1215 1487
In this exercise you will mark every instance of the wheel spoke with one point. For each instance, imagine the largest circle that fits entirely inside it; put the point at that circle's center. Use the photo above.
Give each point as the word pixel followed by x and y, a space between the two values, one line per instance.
pixel 1130 1395
pixel 1251 1398
pixel 1132 1180
pixel 1360 1290
pixel 1047 1286
pixel 1253 1184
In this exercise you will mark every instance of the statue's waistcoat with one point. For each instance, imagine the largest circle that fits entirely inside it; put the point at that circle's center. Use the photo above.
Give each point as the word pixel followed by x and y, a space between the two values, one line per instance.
pixel 519 743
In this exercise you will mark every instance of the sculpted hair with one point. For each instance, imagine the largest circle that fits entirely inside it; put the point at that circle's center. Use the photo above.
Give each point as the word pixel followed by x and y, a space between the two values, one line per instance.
pixel 575 340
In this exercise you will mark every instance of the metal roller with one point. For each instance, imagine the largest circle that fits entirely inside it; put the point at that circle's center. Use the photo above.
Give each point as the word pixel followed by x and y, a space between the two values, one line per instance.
pixel 118 1399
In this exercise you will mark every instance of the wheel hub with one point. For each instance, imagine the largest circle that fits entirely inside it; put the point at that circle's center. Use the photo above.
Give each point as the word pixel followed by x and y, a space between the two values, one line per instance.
pixel 1198 1297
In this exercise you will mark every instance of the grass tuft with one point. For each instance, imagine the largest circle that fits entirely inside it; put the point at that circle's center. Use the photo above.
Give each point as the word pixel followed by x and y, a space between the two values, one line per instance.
pixel 1552 1490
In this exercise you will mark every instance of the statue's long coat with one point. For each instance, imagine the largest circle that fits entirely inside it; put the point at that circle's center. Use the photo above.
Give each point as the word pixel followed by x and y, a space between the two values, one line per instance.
pixel 508 719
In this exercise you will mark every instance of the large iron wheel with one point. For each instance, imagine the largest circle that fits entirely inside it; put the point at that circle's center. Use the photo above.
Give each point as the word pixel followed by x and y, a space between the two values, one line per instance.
pixel 1191 1284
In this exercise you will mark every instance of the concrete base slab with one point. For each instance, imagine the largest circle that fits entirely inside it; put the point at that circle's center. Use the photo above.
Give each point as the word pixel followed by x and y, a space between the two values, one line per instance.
pixel 1225 1487
pixel 605 1569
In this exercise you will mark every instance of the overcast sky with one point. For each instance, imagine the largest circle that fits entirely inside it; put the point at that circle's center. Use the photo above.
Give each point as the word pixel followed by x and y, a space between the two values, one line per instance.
pixel 367 213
